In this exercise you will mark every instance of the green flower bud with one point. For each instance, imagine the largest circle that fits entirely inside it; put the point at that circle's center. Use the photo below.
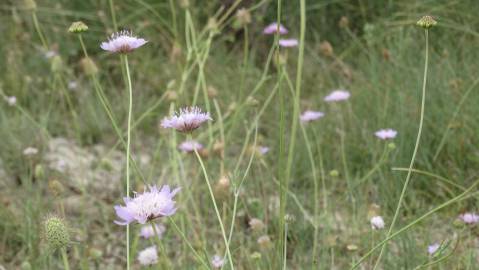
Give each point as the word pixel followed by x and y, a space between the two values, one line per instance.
pixel 39 171
pixel 391 146
pixel 56 233
pixel 255 255
pixel 78 27
pixel 57 64
pixel 88 66
pixel 26 266
pixel 426 22
pixel 29 5
pixel 334 173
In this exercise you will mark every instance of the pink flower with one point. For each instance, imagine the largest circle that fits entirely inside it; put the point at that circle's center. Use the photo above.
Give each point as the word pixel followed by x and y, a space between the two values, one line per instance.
pixel 469 218
pixel 309 116
pixel 263 150
pixel 385 134
pixel 433 248
pixel 273 29
pixel 337 95
pixel 288 43
pixel 147 206
pixel 187 120
pixel 217 262
pixel 190 146
pixel 147 231
pixel 122 42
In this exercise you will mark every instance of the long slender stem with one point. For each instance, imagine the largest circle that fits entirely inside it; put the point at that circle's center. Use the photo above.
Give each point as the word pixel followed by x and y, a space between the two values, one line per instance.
pixel 411 165
pixel 66 265
pixel 39 31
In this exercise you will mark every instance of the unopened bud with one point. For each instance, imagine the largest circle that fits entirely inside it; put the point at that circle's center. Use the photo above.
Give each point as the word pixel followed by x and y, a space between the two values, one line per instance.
pixel 39 172
pixel 89 67
pixel 344 22
pixel 29 5
pixel 264 242
pixel 426 22
pixel 56 233
pixel 334 173
pixel 326 48
pixel 78 27
pixel 212 92
pixel 391 146
pixel 55 187
pixel 243 17
pixel 56 64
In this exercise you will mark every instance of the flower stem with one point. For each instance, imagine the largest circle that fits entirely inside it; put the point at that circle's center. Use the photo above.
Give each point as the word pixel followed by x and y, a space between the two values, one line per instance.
pixel 411 165
pixel 66 265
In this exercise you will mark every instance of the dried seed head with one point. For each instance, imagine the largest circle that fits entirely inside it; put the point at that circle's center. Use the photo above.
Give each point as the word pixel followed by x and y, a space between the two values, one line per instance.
pixel 256 224
pixel 29 5
pixel 326 48
pixel 426 22
pixel 344 22
pixel 56 233
pixel 78 27
pixel 243 17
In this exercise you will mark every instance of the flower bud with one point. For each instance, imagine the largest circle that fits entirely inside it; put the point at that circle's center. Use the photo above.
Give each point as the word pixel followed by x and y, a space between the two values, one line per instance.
pixel 89 67
pixel 326 48
pixel 256 224
pixel 426 22
pixel 264 242
pixel 78 27
pixel 29 5
pixel 255 255
pixel 212 92
pixel 222 187
pixel 344 22
pixel 289 218
pixel 243 17
pixel 391 146
pixel 39 172
pixel 56 64
pixel 55 187
pixel 25 266
pixel 334 173
pixel 56 233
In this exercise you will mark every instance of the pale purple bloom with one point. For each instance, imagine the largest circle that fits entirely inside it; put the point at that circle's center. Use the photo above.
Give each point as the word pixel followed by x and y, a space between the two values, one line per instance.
pixel 187 120
pixel 469 218
pixel 148 256
pixel 190 146
pixel 147 206
pixel 288 43
pixel 385 134
pixel 122 42
pixel 337 95
pixel 377 223
pixel 431 249
pixel 217 262
pixel 50 54
pixel 147 231
pixel 273 29
pixel 309 116
pixel 263 150
pixel 11 100
pixel 30 151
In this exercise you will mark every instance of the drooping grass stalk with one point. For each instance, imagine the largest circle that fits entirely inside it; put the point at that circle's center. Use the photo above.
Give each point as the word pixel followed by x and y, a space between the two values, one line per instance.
pixel 413 158
pixel 39 30
pixel 66 265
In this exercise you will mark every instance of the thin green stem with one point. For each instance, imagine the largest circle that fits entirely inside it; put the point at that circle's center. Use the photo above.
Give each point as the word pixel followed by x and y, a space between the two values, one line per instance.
pixel 413 158
pixel 66 265
pixel 39 31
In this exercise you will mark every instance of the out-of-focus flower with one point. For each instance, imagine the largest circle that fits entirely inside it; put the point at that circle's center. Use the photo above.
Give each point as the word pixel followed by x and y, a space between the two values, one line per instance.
pixel 148 256
pixel 147 206
pixel 147 231
pixel 30 151
pixel 11 100
pixel 56 233
pixel 309 116
pixel 264 241
pixel 72 85
pixel 431 249
pixel 326 48
pixel 288 43
pixel 243 17
pixel 78 27
pixel 469 218
pixel 217 262
pixel 337 95
pixel 377 223
pixel 343 22
pixel 190 146
pixel 385 134
pixel 187 120
pixel 263 150
pixel 273 29
pixel 122 42
pixel 256 224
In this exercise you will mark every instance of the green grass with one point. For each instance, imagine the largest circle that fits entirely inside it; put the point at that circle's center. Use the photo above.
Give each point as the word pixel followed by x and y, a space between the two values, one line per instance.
pixel 379 58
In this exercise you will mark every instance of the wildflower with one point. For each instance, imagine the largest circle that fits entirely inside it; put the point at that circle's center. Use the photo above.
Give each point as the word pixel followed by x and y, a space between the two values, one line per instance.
pixel 88 66
pixel 469 218
pixel 263 150
pixel 309 116
pixel 187 120
pixel 431 249
pixel 264 241
pixel 217 262
pixel 273 29
pixel 190 146
pixel 343 22
pixel 147 231
pixel 326 48
pixel 72 85
pixel 122 42
pixel 147 206
pixel 377 223
pixel 243 17
pixel 56 233
pixel 11 100
pixel 30 151
pixel 148 256
pixel 288 43
pixel 78 27
pixel 337 95
pixel 426 22
pixel 334 173
pixel 385 134
pixel 50 54
pixel 256 224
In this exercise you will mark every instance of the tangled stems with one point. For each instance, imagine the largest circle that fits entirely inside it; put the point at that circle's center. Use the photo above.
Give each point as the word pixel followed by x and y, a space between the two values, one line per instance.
pixel 411 165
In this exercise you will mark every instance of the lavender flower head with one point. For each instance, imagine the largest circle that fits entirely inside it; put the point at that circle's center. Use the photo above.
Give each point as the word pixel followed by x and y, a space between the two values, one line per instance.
pixel 309 116
pixel 337 95
pixel 187 120
pixel 217 262
pixel 122 42
pixel 377 223
pixel 385 134
pixel 147 231
pixel 190 146
pixel 147 206
pixel 273 29
pixel 431 249
pixel 288 43
pixel 469 218
pixel 148 256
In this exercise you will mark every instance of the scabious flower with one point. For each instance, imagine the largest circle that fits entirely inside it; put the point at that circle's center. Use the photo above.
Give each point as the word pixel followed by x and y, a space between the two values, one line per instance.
pixel 273 29
pixel 190 146
pixel 12 100
pixel 337 95
pixel 469 218
pixel 147 231
pixel 256 224
pixel 217 262
pixel 385 134
pixel 122 42
pixel 263 150
pixel 30 151
pixel 148 256
pixel 288 43
pixel 187 120
pixel 147 206
pixel 431 249
pixel 309 116
pixel 377 223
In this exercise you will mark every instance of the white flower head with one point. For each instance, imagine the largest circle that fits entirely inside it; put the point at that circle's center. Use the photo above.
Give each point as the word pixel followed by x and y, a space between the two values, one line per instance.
pixel 377 223
pixel 217 262
pixel 148 256
pixel 190 146
pixel 288 43
pixel 11 100
pixel 385 134
pixel 337 95
pixel 309 116
pixel 30 151
pixel 122 42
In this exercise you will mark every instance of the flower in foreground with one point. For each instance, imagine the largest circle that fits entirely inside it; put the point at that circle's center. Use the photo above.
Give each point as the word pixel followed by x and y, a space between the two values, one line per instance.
pixel 309 116
pixel 217 262
pixel 190 146
pixel 385 134
pixel 122 42
pixel 147 231
pixel 187 120
pixel 147 206
pixel 337 95
pixel 469 218
pixel 377 223
pixel 288 43
pixel 431 249
pixel 273 29
pixel 12 100
pixel 148 256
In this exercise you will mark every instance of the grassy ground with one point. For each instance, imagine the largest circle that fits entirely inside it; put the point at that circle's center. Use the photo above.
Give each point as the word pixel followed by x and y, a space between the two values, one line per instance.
pixel 341 174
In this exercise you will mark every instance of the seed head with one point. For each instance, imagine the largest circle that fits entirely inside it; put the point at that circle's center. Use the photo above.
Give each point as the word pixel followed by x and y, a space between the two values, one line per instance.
pixel 78 27
pixel 426 22
pixel 56 233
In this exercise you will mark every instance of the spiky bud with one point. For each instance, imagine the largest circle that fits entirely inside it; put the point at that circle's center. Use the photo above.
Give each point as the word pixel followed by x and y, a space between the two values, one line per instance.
pixel 426 22
pixel 56 233
pixel 78 27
